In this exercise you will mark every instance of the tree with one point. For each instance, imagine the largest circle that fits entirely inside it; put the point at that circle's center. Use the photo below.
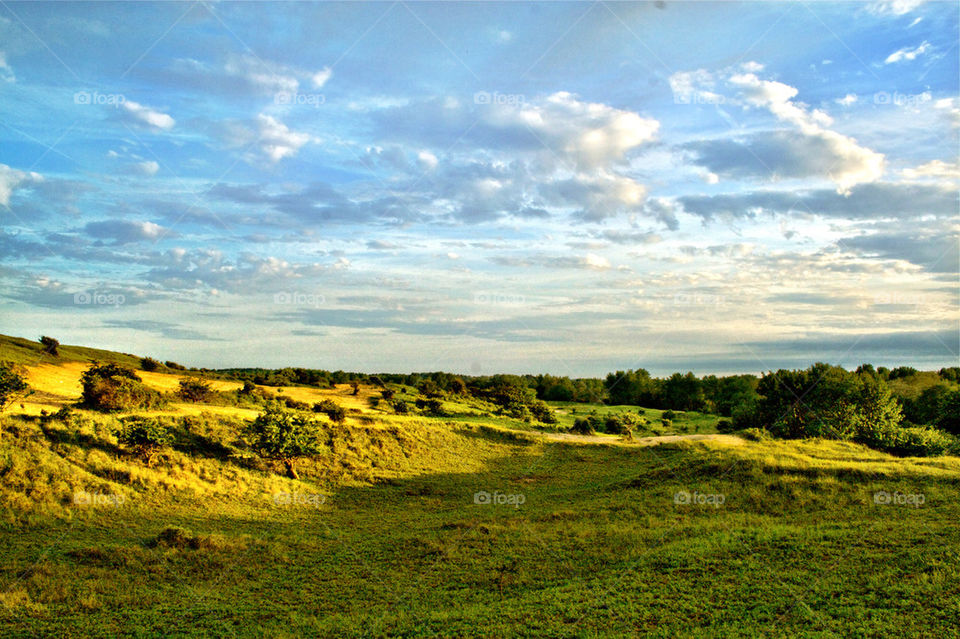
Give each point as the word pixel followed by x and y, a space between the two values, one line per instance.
pixel 949 413
pixel 146 436
pixel 111 387
pixel 285 436
pixel 194 389
pixel 50 345
pixel 12 385
pixel 149 364
pixel 332 410
pixel 458 387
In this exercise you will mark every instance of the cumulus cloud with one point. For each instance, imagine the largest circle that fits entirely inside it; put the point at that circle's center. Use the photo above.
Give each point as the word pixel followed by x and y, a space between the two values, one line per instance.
pixel 243 75
pixel 810 148
pixel 11 179
pixel 937 169
pixel 148 167
pixel 277 141
pixel 126 231
pixel 145 115
pixel 321 77
pixel 907 53
pixel 847 100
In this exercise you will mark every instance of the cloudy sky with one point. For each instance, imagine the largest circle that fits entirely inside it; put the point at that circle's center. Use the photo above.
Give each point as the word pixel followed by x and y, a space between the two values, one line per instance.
pixel 553 187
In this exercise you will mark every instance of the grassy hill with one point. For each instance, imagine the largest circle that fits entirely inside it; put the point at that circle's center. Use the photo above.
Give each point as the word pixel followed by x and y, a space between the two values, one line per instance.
pixel 464 525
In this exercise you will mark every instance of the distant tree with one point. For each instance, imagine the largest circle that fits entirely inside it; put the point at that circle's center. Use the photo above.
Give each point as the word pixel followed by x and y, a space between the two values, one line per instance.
pixel 285 436
pixel 50 345
pixel 458 386
pixel 174 366
pixel 902 371
pixel 387 394
pixel 195 389
pixel 13 386
pixel 949 413
pixel 400 407
pixel 356 387
pixel 149 364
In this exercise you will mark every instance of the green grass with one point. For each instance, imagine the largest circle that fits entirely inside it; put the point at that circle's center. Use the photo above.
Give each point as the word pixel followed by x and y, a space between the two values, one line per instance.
pixel 30 352
pixel 381 536
pixel 399 548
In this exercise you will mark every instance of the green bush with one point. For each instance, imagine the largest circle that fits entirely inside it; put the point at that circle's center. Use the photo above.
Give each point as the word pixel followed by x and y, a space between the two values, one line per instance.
pixel 582 426
pixel 542 412
pixel 332 410
pixel 914 441
pixel 149 364
pixel 668 414
pixel 111 387
pixel 617 425
pixel 280 434
pixel 146 436
pixel 50 345
pixel 194 389
pixel 12 384
pixel 400 407
pixel 725 426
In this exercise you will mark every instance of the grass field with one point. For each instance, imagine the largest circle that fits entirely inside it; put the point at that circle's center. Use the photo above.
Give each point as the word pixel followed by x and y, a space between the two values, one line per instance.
pixel 469 525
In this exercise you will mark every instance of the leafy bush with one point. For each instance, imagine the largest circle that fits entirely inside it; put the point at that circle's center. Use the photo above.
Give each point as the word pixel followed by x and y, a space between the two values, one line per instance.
pixel 617 425
pixel 174 366
pixel 668 414
pixel 149 364
pixel 725 426
pixel 146 436
pixel 582 426
pixel 111 387
pixel 400 407
pixel 915 441
pixel 12 385
pixel 332 410
pixel 387 394
pixel 280 434
pixel 434 408
pixel 542 412
pixel 50 345
pixel 194 389
pixel 949 413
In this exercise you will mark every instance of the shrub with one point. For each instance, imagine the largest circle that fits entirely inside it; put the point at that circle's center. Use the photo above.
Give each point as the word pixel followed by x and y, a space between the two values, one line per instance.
pixel 725 426
pixel 916 441
pixel 50 345
pixel 949 413
pixel 332 410
pixel 174 366
pixel 387 394
pixel 149 364
pixel 542 412
pixel 146 436
pixel 400 407
pixel 581 426
pixel 280 434
pixel 616 425
pixel 295 404
pixel 12 385
pixel 194 389
pixel 434 408
pixel 666 423
pixel 668 414
pixel 111 387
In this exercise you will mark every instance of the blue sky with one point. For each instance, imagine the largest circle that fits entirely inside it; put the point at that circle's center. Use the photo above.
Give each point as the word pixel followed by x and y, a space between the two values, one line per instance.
pixel 524 187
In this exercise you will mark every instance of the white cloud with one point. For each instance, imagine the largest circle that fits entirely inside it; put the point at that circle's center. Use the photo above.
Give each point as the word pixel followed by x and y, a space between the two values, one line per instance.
pixel 148 167
pixel 937 169
pixel 427 160
pixel 277 141
pixel 6 72
pixel 851 164
pixel 596 262
pixel 847 100
pixel 146 115
pixel 320 77
pixel 11 179
pixel 894 7
pixel 907 53
pixel 951 107
pixel 262 76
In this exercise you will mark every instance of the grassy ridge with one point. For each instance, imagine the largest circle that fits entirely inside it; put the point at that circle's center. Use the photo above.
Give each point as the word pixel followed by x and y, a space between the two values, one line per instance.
pixel 383 534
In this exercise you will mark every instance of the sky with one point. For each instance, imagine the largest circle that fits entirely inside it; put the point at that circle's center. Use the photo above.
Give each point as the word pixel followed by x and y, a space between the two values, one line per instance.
pixel 557 187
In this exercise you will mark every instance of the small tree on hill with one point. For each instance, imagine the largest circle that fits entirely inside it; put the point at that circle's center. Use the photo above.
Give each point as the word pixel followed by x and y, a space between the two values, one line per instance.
pixel 149 364
pixel 12 385
pixel 50 345
pixel 285 436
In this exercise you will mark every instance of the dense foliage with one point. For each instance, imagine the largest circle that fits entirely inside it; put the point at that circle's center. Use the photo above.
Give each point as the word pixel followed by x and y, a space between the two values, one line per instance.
pixel 112 387
pixel 284 435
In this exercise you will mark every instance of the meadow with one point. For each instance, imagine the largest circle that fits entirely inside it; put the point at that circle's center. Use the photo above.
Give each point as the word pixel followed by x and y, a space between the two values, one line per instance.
pixel 468 524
